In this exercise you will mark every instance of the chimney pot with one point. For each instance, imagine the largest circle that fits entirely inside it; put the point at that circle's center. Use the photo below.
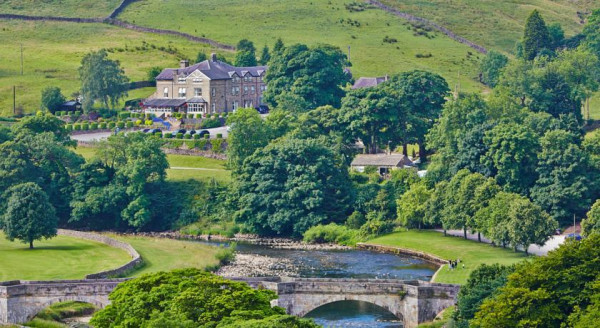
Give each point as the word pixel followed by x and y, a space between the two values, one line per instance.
pixel 184 63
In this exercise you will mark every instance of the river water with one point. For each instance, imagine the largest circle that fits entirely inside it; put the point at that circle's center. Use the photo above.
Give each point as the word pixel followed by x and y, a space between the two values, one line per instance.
pixel 346 264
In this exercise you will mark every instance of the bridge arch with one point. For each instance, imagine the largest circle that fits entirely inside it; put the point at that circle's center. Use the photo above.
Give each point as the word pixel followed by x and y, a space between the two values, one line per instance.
pixel 355 308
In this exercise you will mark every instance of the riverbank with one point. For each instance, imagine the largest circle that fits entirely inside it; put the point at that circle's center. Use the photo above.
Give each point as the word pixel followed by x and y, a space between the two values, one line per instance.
pixel 470 253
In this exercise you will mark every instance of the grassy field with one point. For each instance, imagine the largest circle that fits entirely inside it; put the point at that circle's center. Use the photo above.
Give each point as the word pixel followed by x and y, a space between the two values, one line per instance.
pixel 185 167
pixel 64 8
pixel 160 254
pixel 493 23
pixel 471 253
pixel 52 53
pixel 58 258
pixel 313 22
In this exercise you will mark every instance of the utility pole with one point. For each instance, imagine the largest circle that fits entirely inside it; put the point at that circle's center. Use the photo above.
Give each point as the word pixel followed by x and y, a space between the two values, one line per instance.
pixel 14 99
pixel 21 59
pixel 574 227
pixel 348 53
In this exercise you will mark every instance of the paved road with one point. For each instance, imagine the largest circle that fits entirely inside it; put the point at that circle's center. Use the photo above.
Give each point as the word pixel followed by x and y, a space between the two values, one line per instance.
pixel 97 136
pixel 551 244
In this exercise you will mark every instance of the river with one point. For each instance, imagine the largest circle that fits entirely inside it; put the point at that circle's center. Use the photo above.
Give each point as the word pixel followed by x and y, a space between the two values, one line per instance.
pixel 351 263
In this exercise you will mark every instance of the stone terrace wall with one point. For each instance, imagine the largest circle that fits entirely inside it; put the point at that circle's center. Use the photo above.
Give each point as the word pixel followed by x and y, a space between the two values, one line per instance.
pixel 136 259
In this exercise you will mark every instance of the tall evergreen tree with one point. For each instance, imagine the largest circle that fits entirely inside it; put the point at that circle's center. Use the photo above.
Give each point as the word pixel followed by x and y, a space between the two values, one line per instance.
pixel 536 36
pixel 246 54
pixel 278 47
pixel 265 56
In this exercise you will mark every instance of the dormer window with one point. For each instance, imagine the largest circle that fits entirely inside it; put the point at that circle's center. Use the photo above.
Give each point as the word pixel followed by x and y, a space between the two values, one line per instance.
pixel 248 78
pixel 181 80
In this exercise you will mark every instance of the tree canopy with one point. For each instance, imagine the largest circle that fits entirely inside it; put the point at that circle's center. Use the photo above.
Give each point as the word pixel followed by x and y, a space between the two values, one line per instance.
pixel 246 54
pixel 29 215
pixel 52 99
pixel 536 36
pixel 102 79
pixel 302 78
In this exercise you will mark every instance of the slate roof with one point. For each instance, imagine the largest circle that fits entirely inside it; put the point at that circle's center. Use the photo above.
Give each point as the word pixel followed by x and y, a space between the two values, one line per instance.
pixel 196 100
pixel 367 82
pixel 393 160
pixel 214 70
pixel 164 102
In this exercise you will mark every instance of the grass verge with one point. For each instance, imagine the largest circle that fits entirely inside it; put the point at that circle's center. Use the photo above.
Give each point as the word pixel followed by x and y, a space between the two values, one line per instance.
pixel 61 257
pixel 470 253
pixel 161 254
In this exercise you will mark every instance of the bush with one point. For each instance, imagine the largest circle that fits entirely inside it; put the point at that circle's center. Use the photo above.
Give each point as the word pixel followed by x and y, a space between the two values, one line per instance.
pixel 69 127
pixel 196 136
pixel 77 113
pixel 76 127
pixel 187 136
pixel 94 126
pixel 138 122
pixel 148 122
pixel 217 145
pixel 124 115
pixel 219 135
pixel 129 124
pixel 111 125
pixel 190 115
pixel 331 233
pixel 210 123
pixel 179 136
pixel 85 127
pixel 207 136
pixel 168 135
pixel 102 125
pixel 120 124
pixel 355 220
pixel 198 115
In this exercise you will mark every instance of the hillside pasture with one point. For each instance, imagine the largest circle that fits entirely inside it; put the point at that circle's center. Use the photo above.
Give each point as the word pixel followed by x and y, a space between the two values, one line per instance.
pixel 62 8
pixel 313 22
pixel 52 53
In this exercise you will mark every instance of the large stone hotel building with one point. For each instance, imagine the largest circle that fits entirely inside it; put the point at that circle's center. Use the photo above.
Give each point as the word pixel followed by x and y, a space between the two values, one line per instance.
pixel 211 86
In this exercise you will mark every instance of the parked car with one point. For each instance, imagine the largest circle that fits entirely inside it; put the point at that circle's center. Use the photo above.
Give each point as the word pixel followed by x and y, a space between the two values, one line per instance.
pixel 191 132
pixel 182 131
pixel 145 130
pixel 262 109
pixel 202 133
pixel 575 236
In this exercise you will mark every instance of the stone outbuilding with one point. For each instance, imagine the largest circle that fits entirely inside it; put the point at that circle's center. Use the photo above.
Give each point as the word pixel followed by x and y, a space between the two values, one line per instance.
pixel 383 162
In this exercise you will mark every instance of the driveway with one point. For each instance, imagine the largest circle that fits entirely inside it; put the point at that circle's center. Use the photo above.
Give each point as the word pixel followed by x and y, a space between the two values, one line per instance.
pixel 97 136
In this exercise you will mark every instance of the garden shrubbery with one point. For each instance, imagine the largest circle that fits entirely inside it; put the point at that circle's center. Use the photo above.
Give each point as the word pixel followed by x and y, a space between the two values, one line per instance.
pixel 331 233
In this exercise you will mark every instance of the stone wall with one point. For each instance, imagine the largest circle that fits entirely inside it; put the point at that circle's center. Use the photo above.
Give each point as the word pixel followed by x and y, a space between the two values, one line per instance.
pixel 136 259
pixel 398 250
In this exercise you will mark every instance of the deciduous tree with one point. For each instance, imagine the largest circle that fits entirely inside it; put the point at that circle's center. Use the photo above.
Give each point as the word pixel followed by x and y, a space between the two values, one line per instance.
pixel 52 99
pixel 246 54
pixel 491 66
pixel 102 79
pixel 29 215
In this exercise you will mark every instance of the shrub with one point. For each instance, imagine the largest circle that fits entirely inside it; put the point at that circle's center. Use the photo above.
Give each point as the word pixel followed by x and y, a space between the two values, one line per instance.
pixel 124 115
pixel 111 125
pixel 138 122
pixel 69 127
pixel 219 135
pixel 168 135
pixel 207 136
pixel 331 233
pixel 198 115
pixel 85 127
pixel 129 124
pixel 187 136
pixel 148 122
pixel 355 220
pixel 425 55
pixel 77 113
pixel 388 39
pixel 76 127
pixel 190 116
pixel 102 125
pixel 179 136
pixel 94 126
pixel 217 145
pixel 201 144
pixel 196 136
pixel 210 123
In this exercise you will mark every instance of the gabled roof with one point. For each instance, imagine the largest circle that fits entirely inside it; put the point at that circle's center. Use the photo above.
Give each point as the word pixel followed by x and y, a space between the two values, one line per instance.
pixel 196 100
pixel 367 82
pixel 381 160
pixel 214 70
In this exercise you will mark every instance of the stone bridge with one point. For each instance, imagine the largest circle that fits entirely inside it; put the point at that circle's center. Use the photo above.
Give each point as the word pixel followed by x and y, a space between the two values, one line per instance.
pixel 412 301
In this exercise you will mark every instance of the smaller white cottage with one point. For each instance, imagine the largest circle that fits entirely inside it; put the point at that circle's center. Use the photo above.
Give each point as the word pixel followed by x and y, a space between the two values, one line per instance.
pixel 383 162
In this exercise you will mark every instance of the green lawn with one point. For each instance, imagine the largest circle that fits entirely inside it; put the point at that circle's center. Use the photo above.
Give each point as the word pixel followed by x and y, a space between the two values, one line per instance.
pixel 64 8
pixel 496 24
pixel 58 258
pixel 313 22
pixel 471 253
pixel 52 53
pixel 160 254
pixel 201 168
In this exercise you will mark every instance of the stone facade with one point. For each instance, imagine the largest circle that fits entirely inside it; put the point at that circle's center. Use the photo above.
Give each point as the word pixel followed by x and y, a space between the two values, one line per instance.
pixel 211 86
